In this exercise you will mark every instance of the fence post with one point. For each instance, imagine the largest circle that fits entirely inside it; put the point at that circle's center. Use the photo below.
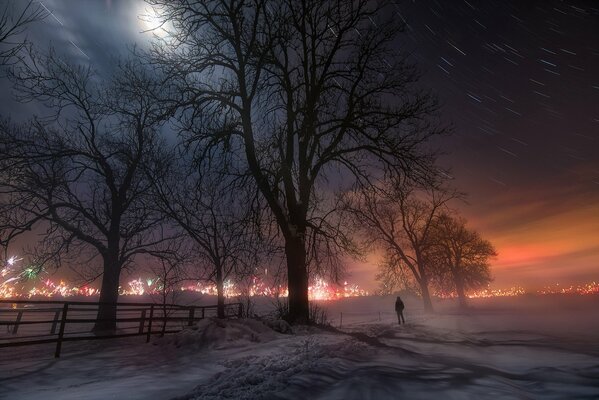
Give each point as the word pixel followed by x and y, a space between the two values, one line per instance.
pixel 240 311
pixel 142 323
pixel 15 329
pixel 192 311
pixel 63 322
pixel 55 322
pixel 203 312
pixel 150 323
pixel 341 320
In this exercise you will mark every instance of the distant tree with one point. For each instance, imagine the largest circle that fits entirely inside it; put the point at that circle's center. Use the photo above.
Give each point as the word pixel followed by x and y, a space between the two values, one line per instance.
pixel 79 172
pixel 398 218
pixel 13 23
pixel 394 275
pixel 313 97
pixel 459 256
pixel 170 267
pixel 214 214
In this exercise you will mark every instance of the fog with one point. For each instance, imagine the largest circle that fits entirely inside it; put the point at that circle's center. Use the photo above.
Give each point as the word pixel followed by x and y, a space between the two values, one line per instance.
pixel 542 347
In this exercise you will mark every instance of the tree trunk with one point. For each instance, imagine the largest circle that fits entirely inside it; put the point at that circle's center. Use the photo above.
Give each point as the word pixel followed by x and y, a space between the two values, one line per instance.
pixel 164 311
pixel 109 294
pixel 459 286
pixel 426 296
pixel 220 293
pixel 297 280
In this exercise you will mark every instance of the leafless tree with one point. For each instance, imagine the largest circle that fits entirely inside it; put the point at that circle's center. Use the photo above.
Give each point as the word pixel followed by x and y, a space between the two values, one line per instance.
pixel 459 256
pixel 313 96
pixel 398 218
pixel 12 27
pixel 13 23
pixel 214 213
pixel 170 267
pixel 79 172
pixel 393 275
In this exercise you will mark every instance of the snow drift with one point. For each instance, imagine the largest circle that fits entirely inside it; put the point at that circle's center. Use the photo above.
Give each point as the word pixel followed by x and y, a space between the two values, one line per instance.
pixel 213 333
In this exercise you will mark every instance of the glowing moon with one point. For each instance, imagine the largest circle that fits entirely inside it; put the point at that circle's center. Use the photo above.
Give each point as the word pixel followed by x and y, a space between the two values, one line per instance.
pixel 150 21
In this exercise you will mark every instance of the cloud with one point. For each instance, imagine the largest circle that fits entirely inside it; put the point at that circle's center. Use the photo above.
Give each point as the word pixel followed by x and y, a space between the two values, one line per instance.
pixel 543 240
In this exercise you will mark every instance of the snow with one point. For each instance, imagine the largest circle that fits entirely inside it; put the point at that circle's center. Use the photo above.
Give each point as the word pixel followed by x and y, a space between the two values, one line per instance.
pixel 212 333
pixel 504 348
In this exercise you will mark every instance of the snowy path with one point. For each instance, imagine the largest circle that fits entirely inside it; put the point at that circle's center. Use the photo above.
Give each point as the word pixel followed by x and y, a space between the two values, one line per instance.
pixel 124 369
pixel 390 362
pixel 444 356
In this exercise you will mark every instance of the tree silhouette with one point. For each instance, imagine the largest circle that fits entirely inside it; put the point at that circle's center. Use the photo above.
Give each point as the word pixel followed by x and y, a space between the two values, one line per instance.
pixel 459 256
pixel 312 96
pixel 398 218
pixel 79 172
pixel 214 213
pixel 12 25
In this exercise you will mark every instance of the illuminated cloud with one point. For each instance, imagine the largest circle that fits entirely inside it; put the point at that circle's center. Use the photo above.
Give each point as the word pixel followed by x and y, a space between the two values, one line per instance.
pixel 543 234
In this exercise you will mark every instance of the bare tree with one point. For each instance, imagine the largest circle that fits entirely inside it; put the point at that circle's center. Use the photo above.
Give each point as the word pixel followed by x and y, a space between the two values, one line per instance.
pixel 170 269
pixel 215 214
pixel 80 171
pixel 313 96
pixel 459 256
pixel 12 27
pixel 393 275
pixel 13 23
pixel 399 218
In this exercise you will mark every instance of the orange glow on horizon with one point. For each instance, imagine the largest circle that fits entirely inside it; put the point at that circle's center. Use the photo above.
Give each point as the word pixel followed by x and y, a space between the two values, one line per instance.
pixel 541 241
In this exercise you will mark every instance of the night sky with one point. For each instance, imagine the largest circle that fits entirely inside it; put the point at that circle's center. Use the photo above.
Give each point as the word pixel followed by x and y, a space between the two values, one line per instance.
pixel 517 80
pixel 520 82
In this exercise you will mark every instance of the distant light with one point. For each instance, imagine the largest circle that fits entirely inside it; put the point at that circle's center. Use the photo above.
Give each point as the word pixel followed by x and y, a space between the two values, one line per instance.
pixel 12 260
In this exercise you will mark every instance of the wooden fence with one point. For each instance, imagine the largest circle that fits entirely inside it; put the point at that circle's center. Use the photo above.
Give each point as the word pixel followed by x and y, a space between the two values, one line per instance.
pixel 26 322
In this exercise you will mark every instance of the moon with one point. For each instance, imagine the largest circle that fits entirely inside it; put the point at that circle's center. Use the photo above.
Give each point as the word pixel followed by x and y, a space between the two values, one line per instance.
pixel 151 22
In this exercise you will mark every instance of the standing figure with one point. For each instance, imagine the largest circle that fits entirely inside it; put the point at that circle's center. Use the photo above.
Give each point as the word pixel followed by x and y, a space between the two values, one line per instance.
pixel 399 306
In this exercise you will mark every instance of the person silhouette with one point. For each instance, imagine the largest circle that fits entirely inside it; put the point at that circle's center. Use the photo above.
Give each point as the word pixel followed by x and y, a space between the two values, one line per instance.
pixel 399 307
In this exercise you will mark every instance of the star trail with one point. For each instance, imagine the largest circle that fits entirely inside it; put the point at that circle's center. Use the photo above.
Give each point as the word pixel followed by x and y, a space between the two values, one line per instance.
pixel 518 82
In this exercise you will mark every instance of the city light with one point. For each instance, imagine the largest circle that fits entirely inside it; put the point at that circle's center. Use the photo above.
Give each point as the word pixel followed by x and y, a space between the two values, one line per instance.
pixel 26 282
pixel 587 288
pixel 320 290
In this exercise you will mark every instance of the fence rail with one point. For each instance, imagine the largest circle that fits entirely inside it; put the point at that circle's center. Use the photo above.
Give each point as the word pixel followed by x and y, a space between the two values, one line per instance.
pixel 30 322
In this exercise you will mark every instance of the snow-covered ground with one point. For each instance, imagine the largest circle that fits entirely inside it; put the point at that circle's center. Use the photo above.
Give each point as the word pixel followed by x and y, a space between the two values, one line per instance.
pixel 522 348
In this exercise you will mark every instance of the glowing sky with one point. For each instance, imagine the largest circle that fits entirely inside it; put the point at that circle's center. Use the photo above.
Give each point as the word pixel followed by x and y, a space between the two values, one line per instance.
pixel 518 81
